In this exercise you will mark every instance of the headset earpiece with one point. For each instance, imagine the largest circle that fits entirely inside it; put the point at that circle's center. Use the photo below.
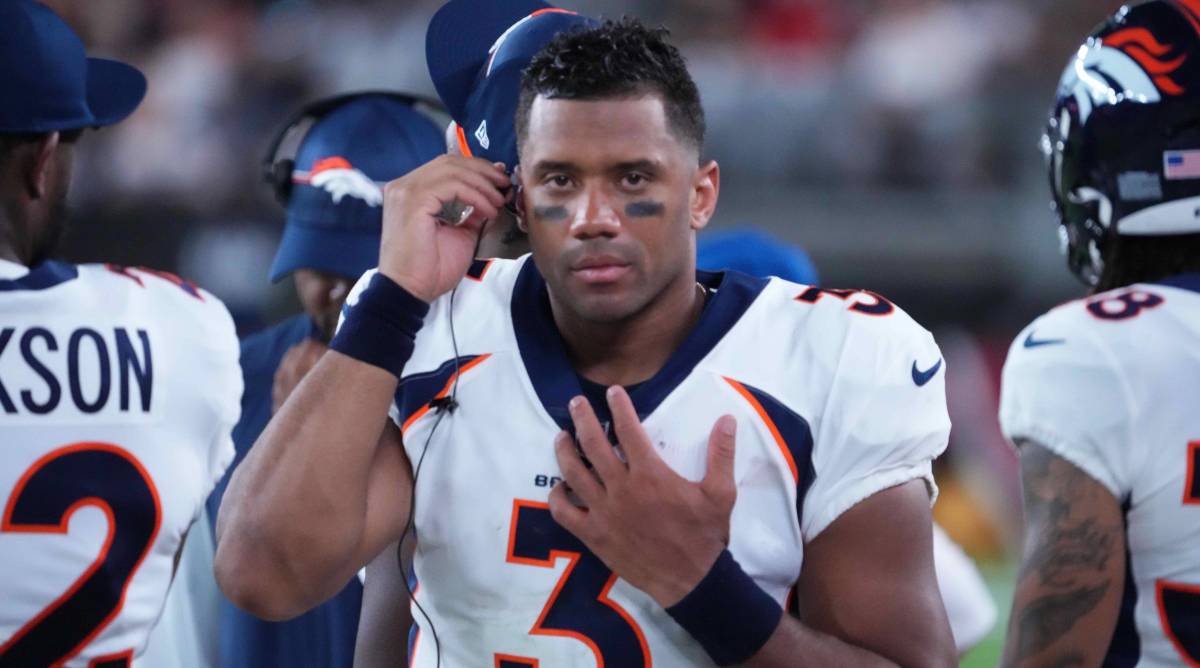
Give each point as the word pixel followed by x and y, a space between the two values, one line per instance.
pixel 281 179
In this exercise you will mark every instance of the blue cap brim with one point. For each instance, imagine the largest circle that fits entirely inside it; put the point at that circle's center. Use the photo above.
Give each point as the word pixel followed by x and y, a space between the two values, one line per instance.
pixel 114 90
pixel 334 252
pixel 458 40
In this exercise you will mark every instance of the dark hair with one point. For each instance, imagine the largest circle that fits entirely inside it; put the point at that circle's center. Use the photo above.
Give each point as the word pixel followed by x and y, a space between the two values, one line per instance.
pixel 616 59
pixel 1129 259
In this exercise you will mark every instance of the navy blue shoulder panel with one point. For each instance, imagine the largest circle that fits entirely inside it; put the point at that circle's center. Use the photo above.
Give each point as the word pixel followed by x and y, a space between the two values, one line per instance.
pixel 419 389
pixel 796 435
pixel 1189 281
pixel 545 357
pixel 46 275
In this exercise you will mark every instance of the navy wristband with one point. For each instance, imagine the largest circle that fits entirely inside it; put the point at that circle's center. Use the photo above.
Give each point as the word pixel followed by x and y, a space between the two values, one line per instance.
pixel 381 328
pixel 728 613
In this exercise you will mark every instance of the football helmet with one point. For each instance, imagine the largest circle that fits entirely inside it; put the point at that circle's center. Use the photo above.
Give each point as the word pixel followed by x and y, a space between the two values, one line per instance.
pixel 1123 140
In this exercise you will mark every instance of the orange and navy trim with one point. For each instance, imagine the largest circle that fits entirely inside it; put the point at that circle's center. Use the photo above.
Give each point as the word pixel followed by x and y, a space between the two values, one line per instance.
pixel 1176 601
pixel 1191 489
pixel 513 661
pixel 118 660
pixel 416 393
pixel 478 270
pixel 789 431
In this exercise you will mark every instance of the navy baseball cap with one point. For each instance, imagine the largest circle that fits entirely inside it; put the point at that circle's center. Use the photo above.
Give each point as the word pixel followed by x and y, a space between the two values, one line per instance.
pixel 477 50
pixel 752 251
pixel 47 81
pixel 335 211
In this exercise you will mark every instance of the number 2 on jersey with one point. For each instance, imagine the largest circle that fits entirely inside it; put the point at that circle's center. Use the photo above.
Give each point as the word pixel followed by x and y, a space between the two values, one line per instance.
pixel 579 606
pixel 1179 604
pixel 43 501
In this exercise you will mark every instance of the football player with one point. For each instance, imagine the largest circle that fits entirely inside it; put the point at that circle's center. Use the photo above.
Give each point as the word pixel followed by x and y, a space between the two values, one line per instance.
pixel 1099 393
pixel 118 386
pixel 969 605
pixel 386 618
pixel 326 167
pixel 672 547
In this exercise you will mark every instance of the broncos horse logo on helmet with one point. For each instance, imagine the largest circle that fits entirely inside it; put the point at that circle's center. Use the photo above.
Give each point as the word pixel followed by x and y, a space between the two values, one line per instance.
pixel 1127 102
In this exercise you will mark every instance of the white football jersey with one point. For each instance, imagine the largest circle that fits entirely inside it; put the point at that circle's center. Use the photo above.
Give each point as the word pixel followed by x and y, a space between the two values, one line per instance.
pixel 1111 383
pixel 838 395
pixel 118 391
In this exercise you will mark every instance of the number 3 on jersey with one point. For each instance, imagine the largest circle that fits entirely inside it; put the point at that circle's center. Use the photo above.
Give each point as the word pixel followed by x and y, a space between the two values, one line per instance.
pixel 579 606
pixel 43 501
pixel 1179 604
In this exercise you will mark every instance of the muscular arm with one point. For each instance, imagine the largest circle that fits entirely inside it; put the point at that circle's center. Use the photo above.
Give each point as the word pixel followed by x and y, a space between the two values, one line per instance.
pixel 1069 589
pixel 386 619
pixel 323 490
pixel 867 592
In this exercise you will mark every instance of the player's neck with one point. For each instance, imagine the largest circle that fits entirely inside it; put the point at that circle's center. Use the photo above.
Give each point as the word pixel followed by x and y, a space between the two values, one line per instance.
pixel 633 350
pixel 7 249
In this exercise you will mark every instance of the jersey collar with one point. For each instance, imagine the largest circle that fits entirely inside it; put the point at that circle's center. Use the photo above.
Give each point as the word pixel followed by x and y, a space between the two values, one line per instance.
pixel 1190 281
pixel 46 275
pixel 544 354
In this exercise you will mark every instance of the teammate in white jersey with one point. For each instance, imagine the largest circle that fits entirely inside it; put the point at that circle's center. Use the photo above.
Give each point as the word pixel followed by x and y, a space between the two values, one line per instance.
pixel 689 547
pixel 1099 394
pixel 118 387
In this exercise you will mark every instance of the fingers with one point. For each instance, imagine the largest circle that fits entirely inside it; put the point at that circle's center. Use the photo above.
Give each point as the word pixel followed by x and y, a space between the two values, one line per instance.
pixel 481 183
pixel 577 475
pixel 568 515
pixel 594 441
pixel 492 171
pixel 630 433
pixel 718 482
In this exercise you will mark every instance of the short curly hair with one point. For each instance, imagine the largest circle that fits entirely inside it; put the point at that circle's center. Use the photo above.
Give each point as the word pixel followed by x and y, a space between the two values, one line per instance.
pixel 616 59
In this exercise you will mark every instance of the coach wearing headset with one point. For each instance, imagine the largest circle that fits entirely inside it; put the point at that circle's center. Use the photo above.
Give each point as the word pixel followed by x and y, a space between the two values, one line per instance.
pixel 345 148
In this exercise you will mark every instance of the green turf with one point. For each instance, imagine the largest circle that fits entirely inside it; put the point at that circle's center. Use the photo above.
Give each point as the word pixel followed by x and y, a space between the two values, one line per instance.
pixel 1000 578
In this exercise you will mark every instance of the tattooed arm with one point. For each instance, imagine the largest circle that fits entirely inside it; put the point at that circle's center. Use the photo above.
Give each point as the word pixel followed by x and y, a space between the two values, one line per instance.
pixel 1072 572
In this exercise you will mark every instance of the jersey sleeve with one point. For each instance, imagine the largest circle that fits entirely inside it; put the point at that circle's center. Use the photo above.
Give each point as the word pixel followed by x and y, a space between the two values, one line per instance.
pixel 224 384
pixel 1066 394
pixel 884 421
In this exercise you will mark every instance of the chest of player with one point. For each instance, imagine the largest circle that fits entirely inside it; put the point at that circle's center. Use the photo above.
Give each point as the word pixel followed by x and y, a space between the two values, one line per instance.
pixel 491 556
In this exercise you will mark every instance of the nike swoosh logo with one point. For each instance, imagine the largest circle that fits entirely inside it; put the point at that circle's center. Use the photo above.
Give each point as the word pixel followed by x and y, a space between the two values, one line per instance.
pixel 922 377
pixel 1031 342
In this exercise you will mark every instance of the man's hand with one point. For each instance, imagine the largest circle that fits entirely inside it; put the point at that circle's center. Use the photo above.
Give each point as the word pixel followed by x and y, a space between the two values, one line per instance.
pixel 419 250
pixel 296 363
pixel 652 527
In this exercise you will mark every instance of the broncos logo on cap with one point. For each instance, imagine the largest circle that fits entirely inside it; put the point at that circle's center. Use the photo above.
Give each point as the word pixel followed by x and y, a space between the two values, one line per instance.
pixel 339 178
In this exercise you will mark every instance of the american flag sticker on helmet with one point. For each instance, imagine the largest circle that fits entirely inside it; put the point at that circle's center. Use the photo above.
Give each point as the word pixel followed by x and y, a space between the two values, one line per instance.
pixel 1181 164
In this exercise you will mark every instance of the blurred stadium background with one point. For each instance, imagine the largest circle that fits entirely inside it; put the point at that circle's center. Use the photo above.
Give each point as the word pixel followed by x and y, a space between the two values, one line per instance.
pixel 895 140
